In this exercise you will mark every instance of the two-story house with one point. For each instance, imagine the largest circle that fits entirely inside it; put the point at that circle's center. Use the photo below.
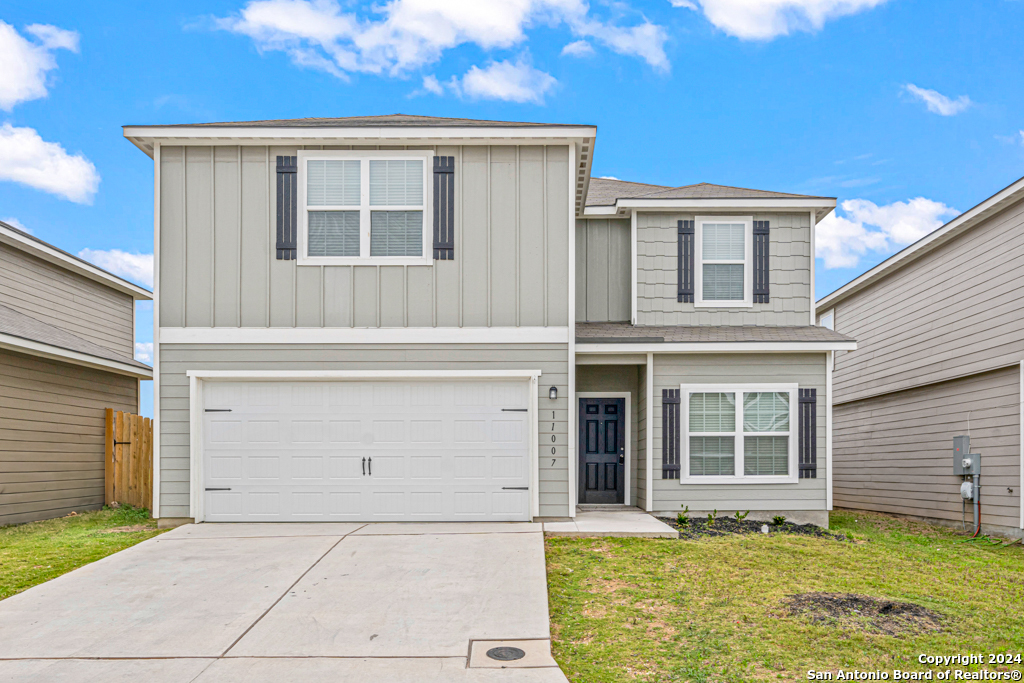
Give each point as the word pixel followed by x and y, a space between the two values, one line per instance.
pixel 67 347
pixel 417 318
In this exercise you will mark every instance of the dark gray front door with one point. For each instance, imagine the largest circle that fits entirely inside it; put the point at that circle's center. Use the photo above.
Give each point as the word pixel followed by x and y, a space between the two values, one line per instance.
pixel 602 450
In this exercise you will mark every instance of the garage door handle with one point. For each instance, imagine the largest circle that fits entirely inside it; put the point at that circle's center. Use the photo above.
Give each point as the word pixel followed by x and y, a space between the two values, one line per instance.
pixel 369 466
pixel 218 410
pixel 218 489
pixel 364 467
pixel 515 488
pixel 515 410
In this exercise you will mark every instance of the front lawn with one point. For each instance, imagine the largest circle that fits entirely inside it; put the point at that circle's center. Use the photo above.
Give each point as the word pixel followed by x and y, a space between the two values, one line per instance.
pixel 720 608
pixel 39 551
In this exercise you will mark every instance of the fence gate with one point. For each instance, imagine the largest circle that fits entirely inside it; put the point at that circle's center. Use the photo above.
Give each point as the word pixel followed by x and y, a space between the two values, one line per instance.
pixel 128 463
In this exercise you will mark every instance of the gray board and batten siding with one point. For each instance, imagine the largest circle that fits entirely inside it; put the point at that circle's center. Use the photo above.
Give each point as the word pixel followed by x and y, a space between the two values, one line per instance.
pixel 218 235
pixel 789 274
pixel 954 312
pixel 76 304
pixel 176 359
pixel 805 369
pixel 893 453
pixel 52 422
pixel 603 270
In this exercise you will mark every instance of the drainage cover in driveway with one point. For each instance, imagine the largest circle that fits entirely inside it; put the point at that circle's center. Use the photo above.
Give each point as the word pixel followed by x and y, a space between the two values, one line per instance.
pixel 508 654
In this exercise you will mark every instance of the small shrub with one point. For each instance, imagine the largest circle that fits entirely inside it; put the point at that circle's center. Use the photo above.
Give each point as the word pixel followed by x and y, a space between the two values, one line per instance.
pixel 740 516
pixel 711 517
pixel 681 518
pixel 779 520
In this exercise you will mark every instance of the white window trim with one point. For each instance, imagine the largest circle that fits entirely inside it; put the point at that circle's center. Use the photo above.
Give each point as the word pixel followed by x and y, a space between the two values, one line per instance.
pixel 364 208
pixel 739 478
pixel 748 262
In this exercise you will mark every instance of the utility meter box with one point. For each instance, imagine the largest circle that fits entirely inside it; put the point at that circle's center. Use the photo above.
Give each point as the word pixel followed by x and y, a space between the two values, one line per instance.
pixel 965 463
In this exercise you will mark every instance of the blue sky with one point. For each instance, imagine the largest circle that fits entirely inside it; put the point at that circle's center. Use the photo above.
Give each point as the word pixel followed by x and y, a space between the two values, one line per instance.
pixel 907 111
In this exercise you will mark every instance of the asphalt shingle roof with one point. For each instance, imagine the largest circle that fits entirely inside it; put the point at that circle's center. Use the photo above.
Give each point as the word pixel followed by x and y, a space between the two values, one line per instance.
pixel 387 120
pixel 20 325
pixel 609 333
pixel 604 192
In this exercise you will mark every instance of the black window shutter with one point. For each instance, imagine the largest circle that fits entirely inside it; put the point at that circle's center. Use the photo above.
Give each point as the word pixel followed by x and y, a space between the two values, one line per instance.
pixel 761 241
pixel 287 207
pixel 670 434
pixel 444 208
pixel 685 259
pixel 808 412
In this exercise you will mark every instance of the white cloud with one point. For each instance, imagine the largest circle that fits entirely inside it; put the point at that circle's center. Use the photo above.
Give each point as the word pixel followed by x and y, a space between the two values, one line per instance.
pixel 938 103
pixel 135 267
pixel 403 35
pixel 767 19
pixel 24 64
pixel 28 159
pixel 144 352
pixel 607 177
pixel 14 222
pixel 432 85
pixel 506 81
pixel 580 48
pixel 866 227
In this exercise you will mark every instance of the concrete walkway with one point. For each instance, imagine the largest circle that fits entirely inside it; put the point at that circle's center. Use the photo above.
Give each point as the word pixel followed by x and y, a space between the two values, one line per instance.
pixel 615 522
pixel 275 602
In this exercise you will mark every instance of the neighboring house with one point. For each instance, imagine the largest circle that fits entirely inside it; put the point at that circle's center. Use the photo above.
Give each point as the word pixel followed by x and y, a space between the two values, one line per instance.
pixel 67 346
pixel 416 318
pixel 940 332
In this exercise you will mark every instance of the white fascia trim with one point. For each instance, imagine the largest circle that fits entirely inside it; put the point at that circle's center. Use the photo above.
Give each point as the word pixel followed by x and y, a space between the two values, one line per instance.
pixel 144 136
pixel 364 335
pixel 156 333
pixel 34 348
pixel 331 375
pixel 996 202
pixel 712 204
pixel 628 436
pixel 590 211
pixel 718 347
pixel 634 287
pixel 68 262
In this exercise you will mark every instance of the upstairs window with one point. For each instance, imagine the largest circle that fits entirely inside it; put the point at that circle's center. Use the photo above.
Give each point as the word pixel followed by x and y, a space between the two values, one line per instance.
pixel 363 207
pixel 724 261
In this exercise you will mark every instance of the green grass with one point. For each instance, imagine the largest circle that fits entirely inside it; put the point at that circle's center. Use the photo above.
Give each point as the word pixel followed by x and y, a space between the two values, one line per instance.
pixel 39 551
pixel 708 610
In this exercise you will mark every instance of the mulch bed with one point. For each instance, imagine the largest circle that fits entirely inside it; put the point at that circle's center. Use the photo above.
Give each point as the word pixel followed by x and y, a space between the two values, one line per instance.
pixel 865 613
pixel 726 526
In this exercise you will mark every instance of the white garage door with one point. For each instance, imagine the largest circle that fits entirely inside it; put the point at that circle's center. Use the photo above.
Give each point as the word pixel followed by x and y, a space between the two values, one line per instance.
pixel 366 451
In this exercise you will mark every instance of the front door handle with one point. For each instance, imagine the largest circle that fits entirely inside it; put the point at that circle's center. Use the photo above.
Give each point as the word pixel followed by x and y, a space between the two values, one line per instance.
pixel 364 467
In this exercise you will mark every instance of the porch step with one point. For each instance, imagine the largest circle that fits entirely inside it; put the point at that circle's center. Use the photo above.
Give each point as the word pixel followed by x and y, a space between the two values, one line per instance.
pixel 611 520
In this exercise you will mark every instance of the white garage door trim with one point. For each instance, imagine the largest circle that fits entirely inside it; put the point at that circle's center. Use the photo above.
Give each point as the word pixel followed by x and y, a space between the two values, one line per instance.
pixel 197 378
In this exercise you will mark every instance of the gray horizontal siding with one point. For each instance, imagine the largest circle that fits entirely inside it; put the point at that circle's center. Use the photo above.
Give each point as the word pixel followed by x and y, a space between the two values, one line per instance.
pixel 52 435
pixel 67 300
pixel 176 360
pixel 789 276
pixel 894 453
pixel 218 232
pixel 954 312
pixel 603 271
pixel 807 370
pixel 618 378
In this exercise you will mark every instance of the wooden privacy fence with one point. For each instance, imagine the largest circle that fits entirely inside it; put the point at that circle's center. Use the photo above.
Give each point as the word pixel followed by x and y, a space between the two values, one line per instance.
pixel 128 460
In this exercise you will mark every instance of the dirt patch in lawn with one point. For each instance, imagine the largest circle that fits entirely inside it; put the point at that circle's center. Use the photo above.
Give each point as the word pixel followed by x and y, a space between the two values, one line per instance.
pixel 863 612
pixel 727 526
pixel 132 529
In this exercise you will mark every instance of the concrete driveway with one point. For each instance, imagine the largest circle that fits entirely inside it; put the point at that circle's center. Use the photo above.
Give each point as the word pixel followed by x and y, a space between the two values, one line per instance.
pixel 388 603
